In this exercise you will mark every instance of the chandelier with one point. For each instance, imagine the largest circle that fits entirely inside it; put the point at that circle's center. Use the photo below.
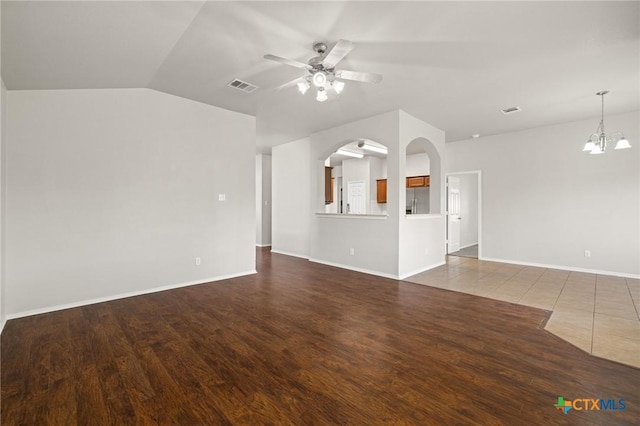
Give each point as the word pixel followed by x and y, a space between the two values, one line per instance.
pixel 323 82
pixel 598 141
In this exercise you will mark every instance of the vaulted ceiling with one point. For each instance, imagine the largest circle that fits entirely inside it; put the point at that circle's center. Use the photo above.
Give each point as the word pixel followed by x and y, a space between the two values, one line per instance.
pixel 451 64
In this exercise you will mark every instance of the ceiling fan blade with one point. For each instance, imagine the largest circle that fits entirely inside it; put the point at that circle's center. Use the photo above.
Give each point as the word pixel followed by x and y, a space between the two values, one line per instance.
pixel 366 77
pixel 337 53
pixel 289 62
pixel 290 83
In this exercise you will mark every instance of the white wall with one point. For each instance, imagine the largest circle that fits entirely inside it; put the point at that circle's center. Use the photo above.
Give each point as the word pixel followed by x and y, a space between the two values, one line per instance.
pixel 263 200
pixel 3 192
pixel 331 237
pixel 417 165
pixel 3 127
pixel 115 192
pixel 290 198
pixel 546 202
pixel 421 238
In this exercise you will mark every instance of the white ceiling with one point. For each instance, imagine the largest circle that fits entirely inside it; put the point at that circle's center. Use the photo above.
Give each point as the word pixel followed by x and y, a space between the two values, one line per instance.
pixel 451 64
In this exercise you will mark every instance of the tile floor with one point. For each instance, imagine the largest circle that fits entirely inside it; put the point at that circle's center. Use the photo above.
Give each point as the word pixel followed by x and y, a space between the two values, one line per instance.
pixel 597 313
pixel 471 251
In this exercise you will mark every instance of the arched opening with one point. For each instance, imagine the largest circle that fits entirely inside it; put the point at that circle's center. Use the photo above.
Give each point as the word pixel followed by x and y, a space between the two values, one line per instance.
pixel 351 172
pixel 423 180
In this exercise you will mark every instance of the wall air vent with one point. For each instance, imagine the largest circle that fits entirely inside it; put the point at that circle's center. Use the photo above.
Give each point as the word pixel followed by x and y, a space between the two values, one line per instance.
pixel 242 85
pixel 511 110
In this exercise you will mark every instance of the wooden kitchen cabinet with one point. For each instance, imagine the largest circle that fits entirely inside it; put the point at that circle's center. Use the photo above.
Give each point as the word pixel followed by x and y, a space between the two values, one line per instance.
pixel 418 181
pixel 381 191
pixel 328 186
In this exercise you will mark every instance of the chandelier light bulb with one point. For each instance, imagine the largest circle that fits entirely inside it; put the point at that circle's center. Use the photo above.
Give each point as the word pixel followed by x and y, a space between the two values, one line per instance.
pixel 623 144
pixel 303 86
pixel 322 95
pixel 319 79
pixel 337 86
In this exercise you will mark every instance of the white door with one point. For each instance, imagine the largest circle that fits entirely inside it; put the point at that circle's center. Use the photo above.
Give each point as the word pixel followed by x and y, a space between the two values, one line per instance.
pixel 453 214
pixel 356 202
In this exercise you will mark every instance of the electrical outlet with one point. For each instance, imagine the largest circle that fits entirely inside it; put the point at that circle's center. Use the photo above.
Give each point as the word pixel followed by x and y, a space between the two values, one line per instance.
pixel 587 253
pixel 352 251
pixel 198 261
pixel 222 197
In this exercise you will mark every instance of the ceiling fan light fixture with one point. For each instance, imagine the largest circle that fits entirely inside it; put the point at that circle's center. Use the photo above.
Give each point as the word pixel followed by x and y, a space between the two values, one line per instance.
pixel 322 95
pixel 338 86
pixel 319 79
pixel 303 86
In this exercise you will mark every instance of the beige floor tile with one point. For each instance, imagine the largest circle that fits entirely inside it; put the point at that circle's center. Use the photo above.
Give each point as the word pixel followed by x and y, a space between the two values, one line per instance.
pixel 573 275
pixel 542 301
pixel 566 302
pixel 605 325
pixel 575 317
pixel 575 328
pixel 618 349
pixel 548 286
pixel 609 279
pixel 584 344
pixel 616 309
pixel 505 297
pixel 579 288
pixel 634 289
pixel 613 293
pixel 591 312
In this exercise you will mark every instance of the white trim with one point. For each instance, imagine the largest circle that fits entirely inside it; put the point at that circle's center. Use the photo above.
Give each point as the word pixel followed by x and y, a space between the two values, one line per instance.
pixel 565 268
pixel 353 216
pixel 125 295
pixel 301 256
pixel 353 268
pixel 263 245
pixel 2 323
pixel 416 272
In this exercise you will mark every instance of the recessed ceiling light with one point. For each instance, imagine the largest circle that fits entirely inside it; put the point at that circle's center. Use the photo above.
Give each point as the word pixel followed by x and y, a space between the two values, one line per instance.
pixel 475 135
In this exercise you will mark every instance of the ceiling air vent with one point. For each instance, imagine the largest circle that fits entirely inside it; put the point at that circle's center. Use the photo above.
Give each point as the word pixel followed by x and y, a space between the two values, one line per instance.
pixel 510 110
pixel 242 85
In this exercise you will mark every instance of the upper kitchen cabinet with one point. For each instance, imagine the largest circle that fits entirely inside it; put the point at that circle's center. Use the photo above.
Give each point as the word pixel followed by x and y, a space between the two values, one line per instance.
pixel 417 181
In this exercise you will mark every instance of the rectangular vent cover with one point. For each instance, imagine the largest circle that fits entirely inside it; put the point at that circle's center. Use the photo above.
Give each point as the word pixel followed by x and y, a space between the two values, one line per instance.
pixel 510 110
pixel 242 85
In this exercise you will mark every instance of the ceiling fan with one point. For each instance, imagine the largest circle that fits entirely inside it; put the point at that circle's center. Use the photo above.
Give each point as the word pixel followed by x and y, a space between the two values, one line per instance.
pixel 321 70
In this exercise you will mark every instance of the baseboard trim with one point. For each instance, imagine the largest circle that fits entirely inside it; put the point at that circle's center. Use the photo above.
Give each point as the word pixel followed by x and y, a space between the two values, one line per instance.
pixel 2 323
pixel 263 245
pixel 419 271
pixel 290 254
pixel 566 268
pixel 124 295
pixel 356 269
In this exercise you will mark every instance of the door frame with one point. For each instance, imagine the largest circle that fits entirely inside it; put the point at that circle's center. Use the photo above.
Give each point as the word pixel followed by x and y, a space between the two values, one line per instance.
pixel 479 174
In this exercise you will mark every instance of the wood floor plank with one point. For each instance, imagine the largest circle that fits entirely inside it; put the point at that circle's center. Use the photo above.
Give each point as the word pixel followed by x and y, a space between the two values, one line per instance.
pixel 301 343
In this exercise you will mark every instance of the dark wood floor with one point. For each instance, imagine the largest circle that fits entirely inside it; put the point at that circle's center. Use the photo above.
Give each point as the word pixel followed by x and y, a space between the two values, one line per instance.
pixel 302 343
